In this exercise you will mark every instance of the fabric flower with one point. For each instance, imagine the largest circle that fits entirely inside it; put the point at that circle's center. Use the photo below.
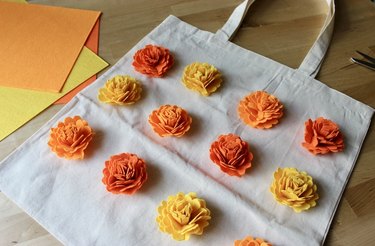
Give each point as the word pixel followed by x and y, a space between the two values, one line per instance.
pixel 294 189
pixel 153 61
pixel 323 136
pixel 121 90
pixel 170 120
pixel 124 173
pixel 250 241
pixel 231 154
pixel 201 77
pixel 260 110
pixel 70 138
pixel 183 215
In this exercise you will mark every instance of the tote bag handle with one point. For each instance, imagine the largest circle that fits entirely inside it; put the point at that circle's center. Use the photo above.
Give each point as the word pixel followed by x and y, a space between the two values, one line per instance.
pixel 314 58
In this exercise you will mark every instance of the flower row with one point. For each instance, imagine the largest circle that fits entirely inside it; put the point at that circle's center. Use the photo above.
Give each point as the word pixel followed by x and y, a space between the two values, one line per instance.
pixel 258 109
pixel 125 173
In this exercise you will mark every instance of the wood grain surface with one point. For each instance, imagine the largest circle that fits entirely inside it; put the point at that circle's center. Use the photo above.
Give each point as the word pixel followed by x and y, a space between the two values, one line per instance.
pixel 282 30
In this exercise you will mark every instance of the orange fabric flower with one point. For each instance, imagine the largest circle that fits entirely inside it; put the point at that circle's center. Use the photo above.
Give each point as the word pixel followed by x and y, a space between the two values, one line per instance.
pixel 250 241
pixel 260 110
pixel 170 120
pixel 323 136
pixel 124 173
pixel 120 90
pixel 202 77
pixel 70 138
pixel 231 154
pixel 183 215
pixel 153 60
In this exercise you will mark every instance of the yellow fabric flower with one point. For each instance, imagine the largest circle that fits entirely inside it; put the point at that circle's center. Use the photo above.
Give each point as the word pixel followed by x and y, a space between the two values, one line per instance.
pixel 183 215
pixel 294 189
pixel 201 77
pixel 120 90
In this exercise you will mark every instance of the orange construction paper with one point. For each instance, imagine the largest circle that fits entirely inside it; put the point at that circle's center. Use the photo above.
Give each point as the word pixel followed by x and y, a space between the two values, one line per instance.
pixel 40 44
pixel 93 44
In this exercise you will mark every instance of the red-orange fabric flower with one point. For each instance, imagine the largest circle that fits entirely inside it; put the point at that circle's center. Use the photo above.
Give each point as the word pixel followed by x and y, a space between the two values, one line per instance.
pixel 153 60
pixel 124 173
pixel 322 136
pixel 70 138
pixel 170 120
pixel 260 110
pixel 250 241
pixel 231 154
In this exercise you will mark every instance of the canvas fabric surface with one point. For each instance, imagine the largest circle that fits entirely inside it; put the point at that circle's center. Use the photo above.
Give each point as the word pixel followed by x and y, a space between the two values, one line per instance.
pixel 70 201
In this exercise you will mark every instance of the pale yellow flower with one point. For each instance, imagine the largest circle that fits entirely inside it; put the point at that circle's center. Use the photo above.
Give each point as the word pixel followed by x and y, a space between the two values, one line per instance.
pixel 183 215
pixel 120 90
pixel 201 77
pixel 294 189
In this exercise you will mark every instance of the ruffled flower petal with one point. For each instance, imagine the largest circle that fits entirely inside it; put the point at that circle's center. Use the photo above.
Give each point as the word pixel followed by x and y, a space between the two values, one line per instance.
pixel 183 215
pixel 250 241
pixel 70 138
pixel 260 110
pixel 323 136
pixel 201 77
pixel 124 173
pixel 231 154
pixel 170 120
pixel 294 188
pixel 153 61
pixel 120 90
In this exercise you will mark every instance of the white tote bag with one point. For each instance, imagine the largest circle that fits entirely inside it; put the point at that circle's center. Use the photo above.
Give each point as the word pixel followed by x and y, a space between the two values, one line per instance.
pixel 68 198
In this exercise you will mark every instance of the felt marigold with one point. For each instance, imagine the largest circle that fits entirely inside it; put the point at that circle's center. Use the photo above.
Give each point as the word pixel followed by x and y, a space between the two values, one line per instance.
pixel 120 90
pixel 124 173
pixel 231 154
pixel 170 120
pixel 260 110
pixel 183 215
pixel 201 77
pixel 322 136
pixel 250 241
pixel 294 188
pixel 153 60
pixel 70 138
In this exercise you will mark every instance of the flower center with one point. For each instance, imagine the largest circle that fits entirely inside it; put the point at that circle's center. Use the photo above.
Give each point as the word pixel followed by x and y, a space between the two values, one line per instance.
pixel 295 186
pixel 181 212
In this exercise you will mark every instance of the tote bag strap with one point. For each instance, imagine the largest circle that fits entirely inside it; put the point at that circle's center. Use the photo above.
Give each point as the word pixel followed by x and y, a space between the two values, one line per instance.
pixel 314 58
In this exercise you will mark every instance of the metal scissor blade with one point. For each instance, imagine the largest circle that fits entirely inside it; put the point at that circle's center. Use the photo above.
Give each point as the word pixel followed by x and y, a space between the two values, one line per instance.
pixel 371 59
pixel 363 63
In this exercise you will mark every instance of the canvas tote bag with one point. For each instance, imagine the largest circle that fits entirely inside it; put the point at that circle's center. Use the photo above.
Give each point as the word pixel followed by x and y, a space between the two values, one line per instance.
pixel 68 198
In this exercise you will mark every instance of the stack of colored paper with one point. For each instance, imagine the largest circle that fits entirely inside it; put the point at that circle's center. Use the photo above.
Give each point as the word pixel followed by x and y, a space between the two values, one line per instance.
pixel 45 53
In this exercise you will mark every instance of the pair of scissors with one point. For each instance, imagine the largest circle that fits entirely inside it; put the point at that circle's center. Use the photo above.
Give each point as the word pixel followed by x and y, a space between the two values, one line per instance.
pixel 368 64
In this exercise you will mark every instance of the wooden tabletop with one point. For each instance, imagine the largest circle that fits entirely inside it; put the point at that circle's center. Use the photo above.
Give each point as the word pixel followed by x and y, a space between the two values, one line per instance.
pixel 282 30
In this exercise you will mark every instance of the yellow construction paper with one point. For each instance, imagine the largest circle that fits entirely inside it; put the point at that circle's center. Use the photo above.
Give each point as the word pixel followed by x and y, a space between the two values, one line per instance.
pixel 18 106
